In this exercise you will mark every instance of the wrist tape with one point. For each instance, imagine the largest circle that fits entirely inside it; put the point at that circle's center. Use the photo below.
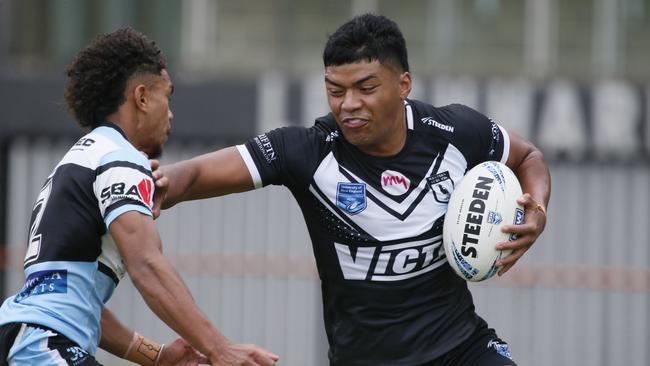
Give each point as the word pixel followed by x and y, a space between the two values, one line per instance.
pixel 143 351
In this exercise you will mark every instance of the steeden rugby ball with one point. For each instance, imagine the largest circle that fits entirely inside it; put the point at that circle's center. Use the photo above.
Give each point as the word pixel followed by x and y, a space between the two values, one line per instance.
pixel 485 200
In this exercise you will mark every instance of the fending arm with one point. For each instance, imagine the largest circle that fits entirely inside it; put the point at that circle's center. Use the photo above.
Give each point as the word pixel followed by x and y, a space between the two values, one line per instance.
pixel 163 290
pixel 210 175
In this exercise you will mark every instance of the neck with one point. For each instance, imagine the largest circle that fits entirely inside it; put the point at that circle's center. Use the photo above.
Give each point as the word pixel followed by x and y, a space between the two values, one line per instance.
pixel 125 124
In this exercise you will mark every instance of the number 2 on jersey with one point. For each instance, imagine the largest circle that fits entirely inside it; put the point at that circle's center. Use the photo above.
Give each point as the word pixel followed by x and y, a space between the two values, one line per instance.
pixel 34 248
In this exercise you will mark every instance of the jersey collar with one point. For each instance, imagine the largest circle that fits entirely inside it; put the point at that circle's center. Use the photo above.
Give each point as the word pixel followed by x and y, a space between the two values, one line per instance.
pixel 409 115
pixel 113 126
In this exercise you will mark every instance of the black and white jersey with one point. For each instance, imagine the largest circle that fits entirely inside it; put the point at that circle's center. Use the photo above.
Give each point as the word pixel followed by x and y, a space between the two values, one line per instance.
pixel 390 298
pixel 72 264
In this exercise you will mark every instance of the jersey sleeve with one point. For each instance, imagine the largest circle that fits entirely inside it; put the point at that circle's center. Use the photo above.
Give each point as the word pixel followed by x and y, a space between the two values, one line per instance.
pixel 479 137
pixel 281 157
pixel 123 183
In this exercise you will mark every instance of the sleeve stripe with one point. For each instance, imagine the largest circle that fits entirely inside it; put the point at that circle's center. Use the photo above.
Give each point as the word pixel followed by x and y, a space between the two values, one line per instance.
pixel 124 202
pixel 250 164
pixel 506 145
pixel 126 207
pixel 125 164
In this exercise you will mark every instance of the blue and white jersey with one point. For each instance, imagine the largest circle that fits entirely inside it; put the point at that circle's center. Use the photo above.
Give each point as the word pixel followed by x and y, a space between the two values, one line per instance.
pixel 72 264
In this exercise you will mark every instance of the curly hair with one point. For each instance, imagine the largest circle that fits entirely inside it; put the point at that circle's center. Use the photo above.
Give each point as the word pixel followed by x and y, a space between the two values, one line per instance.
pixel 367 37
pixel 99 73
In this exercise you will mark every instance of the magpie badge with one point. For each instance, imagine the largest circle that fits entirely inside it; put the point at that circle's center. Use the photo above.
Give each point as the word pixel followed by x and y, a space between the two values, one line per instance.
pixel 441 185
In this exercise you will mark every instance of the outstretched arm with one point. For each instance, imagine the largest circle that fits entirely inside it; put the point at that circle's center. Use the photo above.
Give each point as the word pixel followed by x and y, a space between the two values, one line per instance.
pixel 210 175
pixel 139 245
pixel 528 164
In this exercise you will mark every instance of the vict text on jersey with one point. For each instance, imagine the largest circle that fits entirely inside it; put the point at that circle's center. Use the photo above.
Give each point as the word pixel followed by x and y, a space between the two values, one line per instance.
pixel 389 262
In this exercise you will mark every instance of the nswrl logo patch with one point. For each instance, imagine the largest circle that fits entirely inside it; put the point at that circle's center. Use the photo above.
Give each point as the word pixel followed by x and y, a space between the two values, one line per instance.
pixel 351 197
pixel 494 218
pixel 441 185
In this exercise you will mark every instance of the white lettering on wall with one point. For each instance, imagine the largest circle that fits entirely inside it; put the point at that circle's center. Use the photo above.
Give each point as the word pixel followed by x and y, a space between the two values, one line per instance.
pixel 509 103
pixel 562 122
pixel 615 113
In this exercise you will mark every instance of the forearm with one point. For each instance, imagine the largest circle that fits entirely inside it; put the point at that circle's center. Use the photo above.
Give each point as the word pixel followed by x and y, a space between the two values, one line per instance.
pixel 168 297
pixel 125 343
pixel 534 176
pixel 181 177
pixel 210 175
pixel 116 337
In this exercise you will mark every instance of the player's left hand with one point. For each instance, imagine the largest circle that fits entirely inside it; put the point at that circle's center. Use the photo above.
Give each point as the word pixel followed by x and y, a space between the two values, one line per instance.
pixel 180 353
pixel 162 183
pixel 528 232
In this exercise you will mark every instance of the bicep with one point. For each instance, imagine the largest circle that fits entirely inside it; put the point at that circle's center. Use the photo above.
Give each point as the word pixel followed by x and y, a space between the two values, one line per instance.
pixel 136 237
pixel 222 172
pixel 520 149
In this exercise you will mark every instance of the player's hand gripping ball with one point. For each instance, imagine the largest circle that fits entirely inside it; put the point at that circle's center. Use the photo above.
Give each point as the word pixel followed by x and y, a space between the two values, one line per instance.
pixel 485 199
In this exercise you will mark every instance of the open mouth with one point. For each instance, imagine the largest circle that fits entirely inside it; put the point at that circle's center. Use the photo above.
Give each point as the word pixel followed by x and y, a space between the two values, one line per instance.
pixel 354 122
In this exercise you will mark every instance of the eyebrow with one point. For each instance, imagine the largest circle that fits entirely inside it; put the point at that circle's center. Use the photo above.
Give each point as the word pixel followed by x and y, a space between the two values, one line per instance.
pixel 356 83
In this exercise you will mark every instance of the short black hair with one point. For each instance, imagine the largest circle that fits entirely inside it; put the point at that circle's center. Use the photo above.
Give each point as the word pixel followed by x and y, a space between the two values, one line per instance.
pixel 367 37
pixel 99 73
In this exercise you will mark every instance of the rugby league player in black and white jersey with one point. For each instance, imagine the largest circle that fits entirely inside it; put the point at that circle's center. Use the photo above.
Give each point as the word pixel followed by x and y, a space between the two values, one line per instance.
pixel 373 179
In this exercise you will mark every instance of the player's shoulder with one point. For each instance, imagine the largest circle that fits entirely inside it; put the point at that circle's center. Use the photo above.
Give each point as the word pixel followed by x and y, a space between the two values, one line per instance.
pixel 451 113
pixel 462 116
pixel 103 145
pixel 118 150
pixel 322 132
pixel 424 117
pixel 325 128
pixel 449 119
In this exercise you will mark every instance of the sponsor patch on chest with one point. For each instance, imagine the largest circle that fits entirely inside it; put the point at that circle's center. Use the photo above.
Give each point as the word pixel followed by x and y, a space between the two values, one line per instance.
pixel 351 197
pixel 44 282
pixel 389 262
pixel 395 183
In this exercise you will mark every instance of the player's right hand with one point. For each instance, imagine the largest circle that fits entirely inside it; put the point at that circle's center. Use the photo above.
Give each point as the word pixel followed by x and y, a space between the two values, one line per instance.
pixel 243 355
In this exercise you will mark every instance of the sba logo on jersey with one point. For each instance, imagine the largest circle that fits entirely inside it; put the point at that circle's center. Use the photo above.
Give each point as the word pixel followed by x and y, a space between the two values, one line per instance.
pixel 143 191
pixel 351 197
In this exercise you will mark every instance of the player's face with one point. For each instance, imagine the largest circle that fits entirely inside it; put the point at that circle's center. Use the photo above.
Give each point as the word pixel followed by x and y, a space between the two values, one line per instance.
pixel 367 99
pixel 155 131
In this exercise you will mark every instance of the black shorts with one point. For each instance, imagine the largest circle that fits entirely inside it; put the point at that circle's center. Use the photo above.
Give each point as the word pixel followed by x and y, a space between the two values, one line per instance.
pixel 31 344
pixel 482 348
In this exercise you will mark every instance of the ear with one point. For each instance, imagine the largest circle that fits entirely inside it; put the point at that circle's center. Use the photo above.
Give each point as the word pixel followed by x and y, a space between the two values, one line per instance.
pixel 405 84
pixel 140 97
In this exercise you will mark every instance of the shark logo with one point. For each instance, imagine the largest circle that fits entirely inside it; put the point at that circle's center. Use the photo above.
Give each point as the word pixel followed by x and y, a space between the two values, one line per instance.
pixel 145 191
